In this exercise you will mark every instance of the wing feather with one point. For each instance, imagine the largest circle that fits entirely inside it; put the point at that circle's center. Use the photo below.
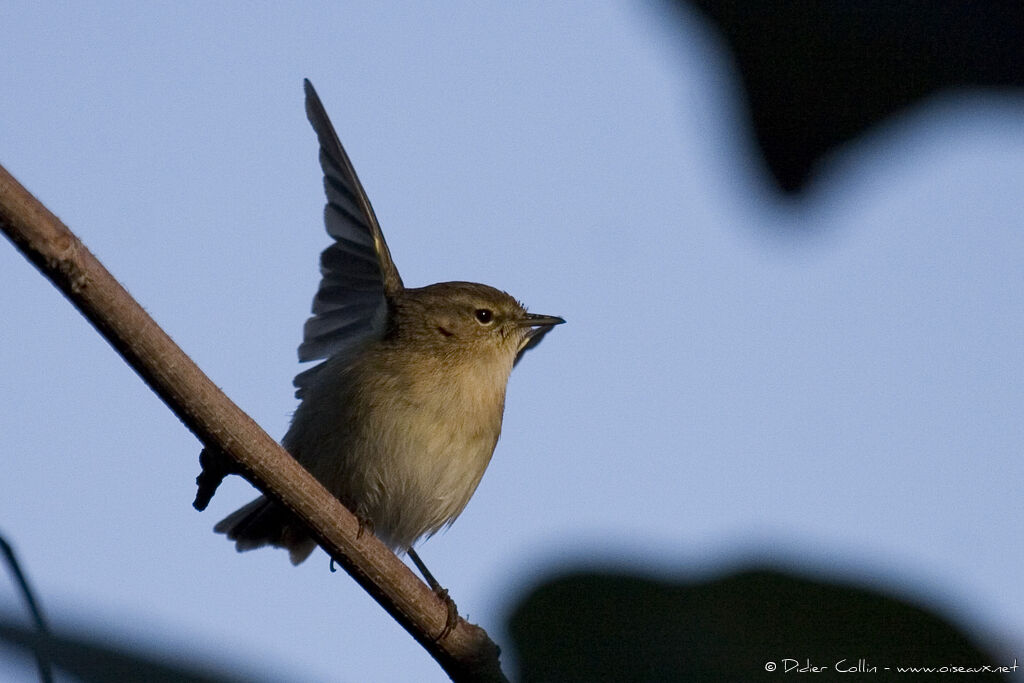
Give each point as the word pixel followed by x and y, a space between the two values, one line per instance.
pixel 358 277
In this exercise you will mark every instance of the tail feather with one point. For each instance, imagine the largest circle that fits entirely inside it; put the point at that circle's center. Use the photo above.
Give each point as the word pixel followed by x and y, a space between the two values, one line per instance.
pixel 263 522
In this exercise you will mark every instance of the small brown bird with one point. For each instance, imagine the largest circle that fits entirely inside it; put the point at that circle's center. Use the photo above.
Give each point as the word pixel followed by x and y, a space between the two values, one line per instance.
pixel 401 418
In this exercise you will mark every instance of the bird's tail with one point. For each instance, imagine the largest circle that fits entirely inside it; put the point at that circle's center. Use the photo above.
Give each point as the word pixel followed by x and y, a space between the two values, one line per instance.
pixel 263 522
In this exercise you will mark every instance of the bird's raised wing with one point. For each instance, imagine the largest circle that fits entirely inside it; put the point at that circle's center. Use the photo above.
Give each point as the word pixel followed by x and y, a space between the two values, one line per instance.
pixel 358 275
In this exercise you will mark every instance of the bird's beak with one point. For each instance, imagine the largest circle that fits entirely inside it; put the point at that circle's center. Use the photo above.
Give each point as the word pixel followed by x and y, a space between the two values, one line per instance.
pixel 539 323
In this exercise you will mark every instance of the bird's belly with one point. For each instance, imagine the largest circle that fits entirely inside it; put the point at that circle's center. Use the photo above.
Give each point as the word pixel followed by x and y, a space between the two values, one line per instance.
pixel 426 468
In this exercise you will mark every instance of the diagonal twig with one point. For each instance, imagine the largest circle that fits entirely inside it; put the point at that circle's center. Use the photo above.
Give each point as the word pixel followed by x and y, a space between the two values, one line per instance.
pixel 466 653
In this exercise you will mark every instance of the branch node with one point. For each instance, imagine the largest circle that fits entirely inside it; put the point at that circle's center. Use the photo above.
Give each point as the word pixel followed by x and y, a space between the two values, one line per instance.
pixel 216 465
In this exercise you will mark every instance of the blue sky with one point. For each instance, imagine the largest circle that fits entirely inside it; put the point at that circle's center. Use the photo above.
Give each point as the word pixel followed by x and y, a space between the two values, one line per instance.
pixel 834 385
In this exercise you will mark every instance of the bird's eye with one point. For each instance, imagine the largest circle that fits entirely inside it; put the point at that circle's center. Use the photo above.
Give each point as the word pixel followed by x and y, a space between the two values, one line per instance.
pixel 484 315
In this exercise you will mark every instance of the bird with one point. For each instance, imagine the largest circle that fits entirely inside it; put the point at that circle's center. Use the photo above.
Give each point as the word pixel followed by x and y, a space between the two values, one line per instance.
pixel 402 414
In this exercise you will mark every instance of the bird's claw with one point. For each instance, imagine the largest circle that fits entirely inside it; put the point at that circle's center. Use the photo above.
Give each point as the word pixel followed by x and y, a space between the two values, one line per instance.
pixel 365 524
pixel 453 613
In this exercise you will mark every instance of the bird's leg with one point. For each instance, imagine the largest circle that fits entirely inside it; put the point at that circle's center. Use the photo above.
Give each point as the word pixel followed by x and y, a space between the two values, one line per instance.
pixel 442 593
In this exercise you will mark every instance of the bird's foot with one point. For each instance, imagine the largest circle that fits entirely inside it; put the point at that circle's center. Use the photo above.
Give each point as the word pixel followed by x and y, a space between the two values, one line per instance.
pixel 442 593
pixel 365 525
pixel 453 613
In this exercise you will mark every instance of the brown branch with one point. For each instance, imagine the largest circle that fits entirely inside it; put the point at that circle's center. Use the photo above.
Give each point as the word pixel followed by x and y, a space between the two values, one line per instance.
pixel 466 653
